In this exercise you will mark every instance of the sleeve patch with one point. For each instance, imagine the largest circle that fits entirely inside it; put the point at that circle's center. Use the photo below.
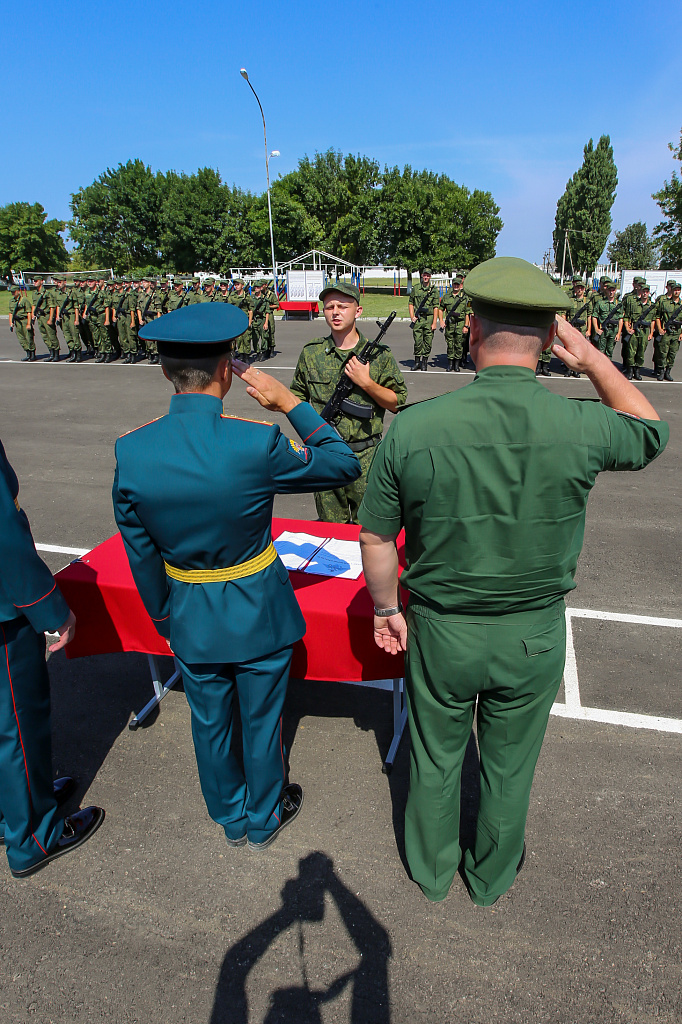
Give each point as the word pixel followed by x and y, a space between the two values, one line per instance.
pixel 299 451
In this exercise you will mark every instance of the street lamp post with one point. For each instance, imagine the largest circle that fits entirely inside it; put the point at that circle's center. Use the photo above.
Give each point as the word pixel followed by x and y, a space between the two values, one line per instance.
pixel 245 76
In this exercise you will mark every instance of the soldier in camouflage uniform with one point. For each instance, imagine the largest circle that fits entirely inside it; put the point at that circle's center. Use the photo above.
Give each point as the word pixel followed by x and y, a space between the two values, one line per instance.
pixel 605 338
pixel 194 295
pixel 634 342
pixel 82 294
pixel 378 384
pixel 238 297
pixel 269 327
pixel 176 296
pixel 223 293
pixel 20 323
pixel 120 319
pixel 150 306
pixel 68 315
pixel 99 318
pixel 580 301
pixel 131 312
pixel 209 290
pixel 425 301
pixel 458 325
pixel 667 343
pixel 261 313
pixel 41 311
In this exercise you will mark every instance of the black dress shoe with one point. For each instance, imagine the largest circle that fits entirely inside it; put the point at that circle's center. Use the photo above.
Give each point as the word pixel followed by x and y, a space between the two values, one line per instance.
pixel 292 801
pixel 78 828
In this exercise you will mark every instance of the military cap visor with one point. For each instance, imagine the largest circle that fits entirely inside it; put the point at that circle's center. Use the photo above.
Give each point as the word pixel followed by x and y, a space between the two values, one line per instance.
pixel 349 290
pixel 509 290
pixel 198 330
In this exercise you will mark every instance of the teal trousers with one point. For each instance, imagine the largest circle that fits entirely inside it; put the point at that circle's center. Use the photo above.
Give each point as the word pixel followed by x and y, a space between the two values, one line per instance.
pixel 244 801
pixel 505 673
pixel 29 816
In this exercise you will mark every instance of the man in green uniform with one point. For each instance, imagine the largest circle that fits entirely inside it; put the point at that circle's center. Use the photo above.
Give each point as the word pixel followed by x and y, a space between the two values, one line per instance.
pixel 209 290
pixel 605 338
pixel 238 297
pixel 82 295
pixel 120 319
pixel 454 319
pixel 150 306
pixel 379 385
pixel 41 311
pixel 20 323
pixel 67 318
pixel 423 305
pixel 490 483
pixel 269 326
pixel 100 318
pixel 176 298
pixel 635 340
pixel 580 309
pixel 259 321
pixel 668 323
pixel 194 294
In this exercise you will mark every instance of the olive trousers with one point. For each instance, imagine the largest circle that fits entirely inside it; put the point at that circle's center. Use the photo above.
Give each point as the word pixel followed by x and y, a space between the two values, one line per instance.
pixel 504 671
pixel 423 336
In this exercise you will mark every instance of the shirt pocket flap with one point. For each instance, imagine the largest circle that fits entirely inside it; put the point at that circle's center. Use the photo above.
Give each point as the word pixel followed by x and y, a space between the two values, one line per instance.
pixel 542 642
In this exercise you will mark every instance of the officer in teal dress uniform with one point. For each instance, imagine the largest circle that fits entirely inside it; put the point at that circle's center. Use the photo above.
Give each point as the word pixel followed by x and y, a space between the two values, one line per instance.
pixel 31 827
pixel 193 495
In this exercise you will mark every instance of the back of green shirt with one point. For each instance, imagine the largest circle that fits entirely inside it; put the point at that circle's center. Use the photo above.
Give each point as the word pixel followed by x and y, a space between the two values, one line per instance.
pixel 491 485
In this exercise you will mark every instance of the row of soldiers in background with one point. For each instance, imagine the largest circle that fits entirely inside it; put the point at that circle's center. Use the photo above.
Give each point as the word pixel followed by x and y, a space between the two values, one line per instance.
pixel 427 308
pixel 100 318
pixel 632 320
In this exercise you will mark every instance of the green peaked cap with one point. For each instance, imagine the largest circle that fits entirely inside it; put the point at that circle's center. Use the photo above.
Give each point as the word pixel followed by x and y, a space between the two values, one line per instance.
pixel 508 290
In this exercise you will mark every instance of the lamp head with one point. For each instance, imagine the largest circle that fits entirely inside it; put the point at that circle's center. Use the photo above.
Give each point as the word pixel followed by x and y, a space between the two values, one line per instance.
pixel 275 152
pixel 242 72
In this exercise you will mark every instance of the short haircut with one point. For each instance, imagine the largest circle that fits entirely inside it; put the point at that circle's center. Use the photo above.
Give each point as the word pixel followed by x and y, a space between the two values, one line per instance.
pixel 513 337
pixel 190 372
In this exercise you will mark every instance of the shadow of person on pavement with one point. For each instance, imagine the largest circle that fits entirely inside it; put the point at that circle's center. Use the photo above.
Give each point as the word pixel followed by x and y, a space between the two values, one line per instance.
pixel 303 900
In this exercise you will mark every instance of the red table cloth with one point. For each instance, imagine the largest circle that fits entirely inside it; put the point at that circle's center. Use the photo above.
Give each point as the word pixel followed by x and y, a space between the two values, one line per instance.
pixel 338 645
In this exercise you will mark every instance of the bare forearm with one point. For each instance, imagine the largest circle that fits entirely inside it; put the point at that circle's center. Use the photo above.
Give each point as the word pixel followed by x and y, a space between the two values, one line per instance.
pixel 384 397
pixel 616 391
pixel 380 566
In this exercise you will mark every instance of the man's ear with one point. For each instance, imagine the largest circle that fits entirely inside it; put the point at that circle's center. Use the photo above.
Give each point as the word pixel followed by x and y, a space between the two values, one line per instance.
pixel 550 337
pixel 358 312
pixel 474 329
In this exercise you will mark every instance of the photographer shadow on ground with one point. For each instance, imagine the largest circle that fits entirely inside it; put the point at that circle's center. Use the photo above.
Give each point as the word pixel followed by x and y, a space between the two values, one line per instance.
pixel 299 1001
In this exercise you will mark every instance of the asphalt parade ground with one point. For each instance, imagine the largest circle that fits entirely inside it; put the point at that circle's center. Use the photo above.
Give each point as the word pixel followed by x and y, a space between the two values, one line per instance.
pixel 155 919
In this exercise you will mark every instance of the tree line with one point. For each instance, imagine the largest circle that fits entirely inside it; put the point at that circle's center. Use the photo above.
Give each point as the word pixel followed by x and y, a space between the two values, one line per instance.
pixel 132 218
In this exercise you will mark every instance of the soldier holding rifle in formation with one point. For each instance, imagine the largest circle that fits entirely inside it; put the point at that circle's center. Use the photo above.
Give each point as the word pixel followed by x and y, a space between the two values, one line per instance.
pixel 68 316
pixel 638 330
pixel 20 323
pixel 424 305
pixel 238 297
pixel 454 320
pixel 607 325
pixel 668 325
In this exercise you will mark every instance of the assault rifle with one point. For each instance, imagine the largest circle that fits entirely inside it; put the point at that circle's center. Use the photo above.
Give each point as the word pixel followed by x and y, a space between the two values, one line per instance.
pixel 451 314
pixel 146 308
pixel 340 403
pixel 119 308
pixel 37 311
pixel 419 310
pixel 91 303
pixel 575 320
pixel 673 323
pixel 609 319
pixel 60 309
pixel 641 320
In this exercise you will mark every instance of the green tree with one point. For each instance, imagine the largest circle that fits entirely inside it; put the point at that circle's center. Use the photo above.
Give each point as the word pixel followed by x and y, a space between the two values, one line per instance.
pixel 193 216
pixel 669 232
pixel 633 248
pixel 584 210
pixel 28 241
pixel 117 220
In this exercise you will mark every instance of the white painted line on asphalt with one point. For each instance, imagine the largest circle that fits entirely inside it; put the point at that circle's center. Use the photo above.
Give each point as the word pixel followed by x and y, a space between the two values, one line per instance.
pixel 63 551
pixel 571 687
pixel 644 620
pixel 625 718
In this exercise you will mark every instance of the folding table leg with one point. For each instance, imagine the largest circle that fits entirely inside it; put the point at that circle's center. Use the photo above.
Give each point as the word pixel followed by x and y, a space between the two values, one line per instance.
pixel 160 690
pixel 399 719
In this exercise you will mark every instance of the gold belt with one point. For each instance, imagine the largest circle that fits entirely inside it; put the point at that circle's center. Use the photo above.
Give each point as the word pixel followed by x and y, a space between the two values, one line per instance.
pixel 233 572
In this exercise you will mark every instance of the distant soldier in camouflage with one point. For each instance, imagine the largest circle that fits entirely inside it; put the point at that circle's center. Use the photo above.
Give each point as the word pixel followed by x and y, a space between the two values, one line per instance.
pixel 121 320
pixel 269 326
pixel 176 298
pixel 423 305
pixel 209 290
pixel 605 338
pixel 20 323
pixel 99 319
pixel 455 306
pixel 238 297
pixel 261 314
pixel 581 304
pixel 634 342
pixel 194 295
pixel 223 292
pixel 150 307
pixel 379 384
pixel 40 312
pixel 68 316
pixel 667 343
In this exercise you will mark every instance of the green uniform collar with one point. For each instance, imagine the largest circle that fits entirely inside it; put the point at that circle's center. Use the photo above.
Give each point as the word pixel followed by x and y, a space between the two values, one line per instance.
pixel 517 373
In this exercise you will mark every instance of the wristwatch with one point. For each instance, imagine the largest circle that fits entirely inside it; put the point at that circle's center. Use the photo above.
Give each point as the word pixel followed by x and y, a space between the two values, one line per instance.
pixel 384 613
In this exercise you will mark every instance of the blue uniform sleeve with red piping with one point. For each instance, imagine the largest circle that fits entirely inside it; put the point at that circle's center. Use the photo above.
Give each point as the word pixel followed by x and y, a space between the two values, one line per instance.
pixel 321 462
pixel 146 563
pixel 27 587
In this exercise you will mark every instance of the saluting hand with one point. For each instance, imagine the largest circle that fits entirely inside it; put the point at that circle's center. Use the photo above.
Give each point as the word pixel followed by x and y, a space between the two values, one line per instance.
pixel 267 390
pixel 575 351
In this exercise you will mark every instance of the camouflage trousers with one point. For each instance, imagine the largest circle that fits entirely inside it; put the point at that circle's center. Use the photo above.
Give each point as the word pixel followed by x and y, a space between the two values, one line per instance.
pixel 341 504
pixel 70 332
pixel 454 339
pixel 633 347
pixel 26 338
pixel 605 342
pixel 263 339
pixel 242 345
pixel 665 350
pixel 49 334
pixel 423 337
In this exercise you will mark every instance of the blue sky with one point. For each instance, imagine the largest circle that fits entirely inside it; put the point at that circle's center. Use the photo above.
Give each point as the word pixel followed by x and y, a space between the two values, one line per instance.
pixel 498 96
